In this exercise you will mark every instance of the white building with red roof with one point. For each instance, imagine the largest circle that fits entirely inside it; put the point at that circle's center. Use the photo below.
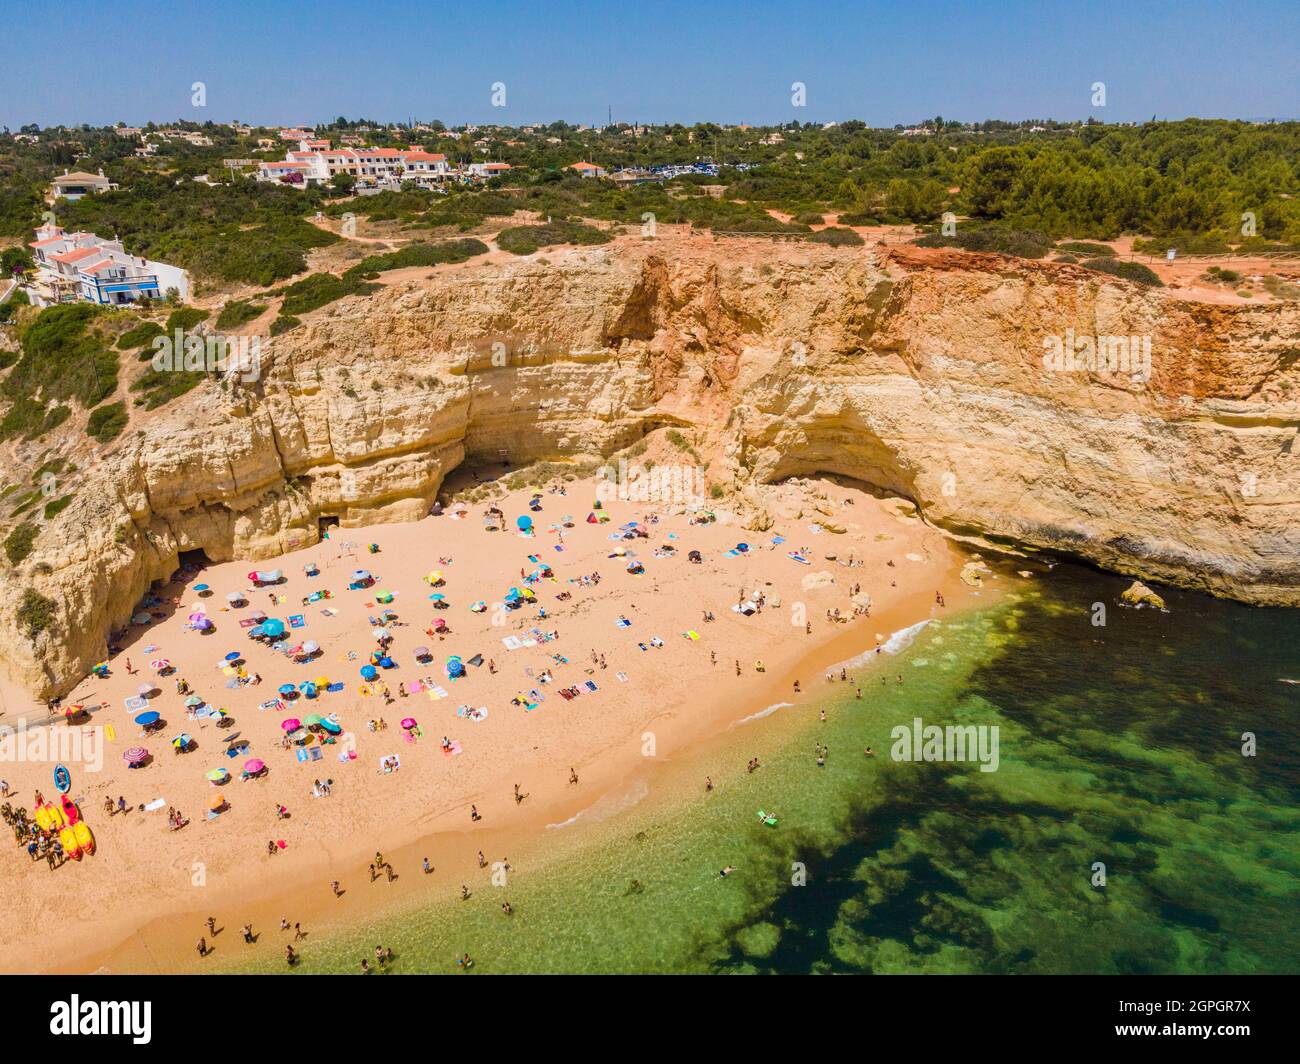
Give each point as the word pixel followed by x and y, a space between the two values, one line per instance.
pixel 83 267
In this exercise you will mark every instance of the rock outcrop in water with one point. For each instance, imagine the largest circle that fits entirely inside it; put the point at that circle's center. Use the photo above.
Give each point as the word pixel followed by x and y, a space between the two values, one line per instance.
pixel 929 374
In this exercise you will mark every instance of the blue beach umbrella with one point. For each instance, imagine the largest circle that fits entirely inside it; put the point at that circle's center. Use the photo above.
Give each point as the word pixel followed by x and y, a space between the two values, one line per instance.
pixel 147 718
pixel 369 672
pixel 273 627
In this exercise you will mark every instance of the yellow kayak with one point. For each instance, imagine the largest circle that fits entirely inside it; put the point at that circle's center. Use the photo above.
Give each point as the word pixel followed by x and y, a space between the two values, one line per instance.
pixel 68 839
pixel 84 838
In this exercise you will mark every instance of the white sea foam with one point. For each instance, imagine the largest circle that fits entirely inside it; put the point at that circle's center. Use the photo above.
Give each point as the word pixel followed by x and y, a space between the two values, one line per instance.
pixel 895 644
pixel 761 713
pixel 607 805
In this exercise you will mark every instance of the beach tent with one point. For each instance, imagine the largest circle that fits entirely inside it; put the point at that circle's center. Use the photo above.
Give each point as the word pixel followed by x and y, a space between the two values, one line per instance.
pixel 421 654
pixel 455 667
pixel 384 597
pixel 434 578
pixel 386 662
pixel 478 607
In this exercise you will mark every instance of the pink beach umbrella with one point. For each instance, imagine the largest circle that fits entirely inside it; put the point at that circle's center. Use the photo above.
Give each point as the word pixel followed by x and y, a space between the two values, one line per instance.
pixel 291 724
pixel 160 664
pixel 135 755
pixel 253 766
pixel 409 722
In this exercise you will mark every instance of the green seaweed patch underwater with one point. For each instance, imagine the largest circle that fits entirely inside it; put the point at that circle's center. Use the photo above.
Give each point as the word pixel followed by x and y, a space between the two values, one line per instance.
pixel 1124 831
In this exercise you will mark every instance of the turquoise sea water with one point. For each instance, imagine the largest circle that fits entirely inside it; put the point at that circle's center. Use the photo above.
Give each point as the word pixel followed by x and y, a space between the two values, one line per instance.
pixel 1119 745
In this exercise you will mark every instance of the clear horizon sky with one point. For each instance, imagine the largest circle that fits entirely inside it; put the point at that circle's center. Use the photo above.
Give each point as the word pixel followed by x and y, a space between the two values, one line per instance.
pixel 727 61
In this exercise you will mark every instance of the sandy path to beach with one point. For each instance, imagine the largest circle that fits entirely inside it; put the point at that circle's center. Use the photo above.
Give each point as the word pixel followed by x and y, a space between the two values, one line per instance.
pixel 140 901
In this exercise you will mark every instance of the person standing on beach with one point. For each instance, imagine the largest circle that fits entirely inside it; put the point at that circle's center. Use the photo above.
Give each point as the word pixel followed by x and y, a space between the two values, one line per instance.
pixel 335 888
pixel 203 947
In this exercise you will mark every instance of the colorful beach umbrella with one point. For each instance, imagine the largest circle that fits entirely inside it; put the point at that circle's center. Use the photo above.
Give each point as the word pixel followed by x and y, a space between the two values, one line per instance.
pixel 145 719
pixel 135 755
pixel 331 725
pixel 408 722
pixel 254 765
pixel 287 689
pixel 159 664
pixel 291 724
pixel 217 775
pixel 273 627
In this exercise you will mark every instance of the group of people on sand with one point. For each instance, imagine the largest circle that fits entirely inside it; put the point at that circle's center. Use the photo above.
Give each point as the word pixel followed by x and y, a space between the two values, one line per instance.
pixel 42 844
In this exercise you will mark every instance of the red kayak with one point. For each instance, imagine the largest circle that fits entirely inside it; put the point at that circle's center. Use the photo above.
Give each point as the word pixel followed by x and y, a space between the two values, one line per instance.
pixel 70 811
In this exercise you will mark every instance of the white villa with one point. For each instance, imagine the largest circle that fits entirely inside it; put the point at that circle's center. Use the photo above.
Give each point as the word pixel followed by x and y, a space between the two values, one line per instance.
pixel 76 185
pixel 82 267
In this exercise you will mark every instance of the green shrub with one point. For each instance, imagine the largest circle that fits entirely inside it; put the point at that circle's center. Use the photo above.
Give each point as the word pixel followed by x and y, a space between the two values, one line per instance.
pixel 62 358
pixel 526 239
pixel 1129 271
pixel 185 319
pixel 283 324
pixel 57 506
pixel 836 237
pixel 239 313
pixel 35 613
pixel 1023 243
pixel 808 218
pixel 1086 248
pixel 107 422
pixel 18 544
pixel 140 335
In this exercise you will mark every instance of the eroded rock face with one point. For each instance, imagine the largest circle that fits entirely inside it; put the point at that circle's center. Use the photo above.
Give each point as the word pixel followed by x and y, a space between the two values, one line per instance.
pixel 923 373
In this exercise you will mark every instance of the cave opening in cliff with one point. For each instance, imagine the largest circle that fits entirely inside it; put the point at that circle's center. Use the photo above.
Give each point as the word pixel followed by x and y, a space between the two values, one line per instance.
pixel 324 524
pixel 191 561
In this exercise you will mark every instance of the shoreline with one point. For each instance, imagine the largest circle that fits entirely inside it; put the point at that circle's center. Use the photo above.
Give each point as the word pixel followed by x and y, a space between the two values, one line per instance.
pixel 296 885
pixel 161 946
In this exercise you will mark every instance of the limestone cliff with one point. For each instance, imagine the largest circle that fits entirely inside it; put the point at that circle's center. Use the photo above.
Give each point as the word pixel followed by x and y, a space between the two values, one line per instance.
pixel 921 372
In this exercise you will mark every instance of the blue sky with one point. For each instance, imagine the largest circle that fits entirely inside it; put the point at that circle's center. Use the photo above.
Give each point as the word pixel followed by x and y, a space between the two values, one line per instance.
pixel 282 61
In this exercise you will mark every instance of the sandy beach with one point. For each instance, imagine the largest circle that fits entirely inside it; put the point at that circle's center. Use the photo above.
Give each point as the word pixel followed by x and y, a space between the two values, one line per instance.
pixel 666 681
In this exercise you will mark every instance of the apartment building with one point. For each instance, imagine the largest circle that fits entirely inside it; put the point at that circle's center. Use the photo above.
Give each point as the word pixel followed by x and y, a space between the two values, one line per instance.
pixel 83 267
